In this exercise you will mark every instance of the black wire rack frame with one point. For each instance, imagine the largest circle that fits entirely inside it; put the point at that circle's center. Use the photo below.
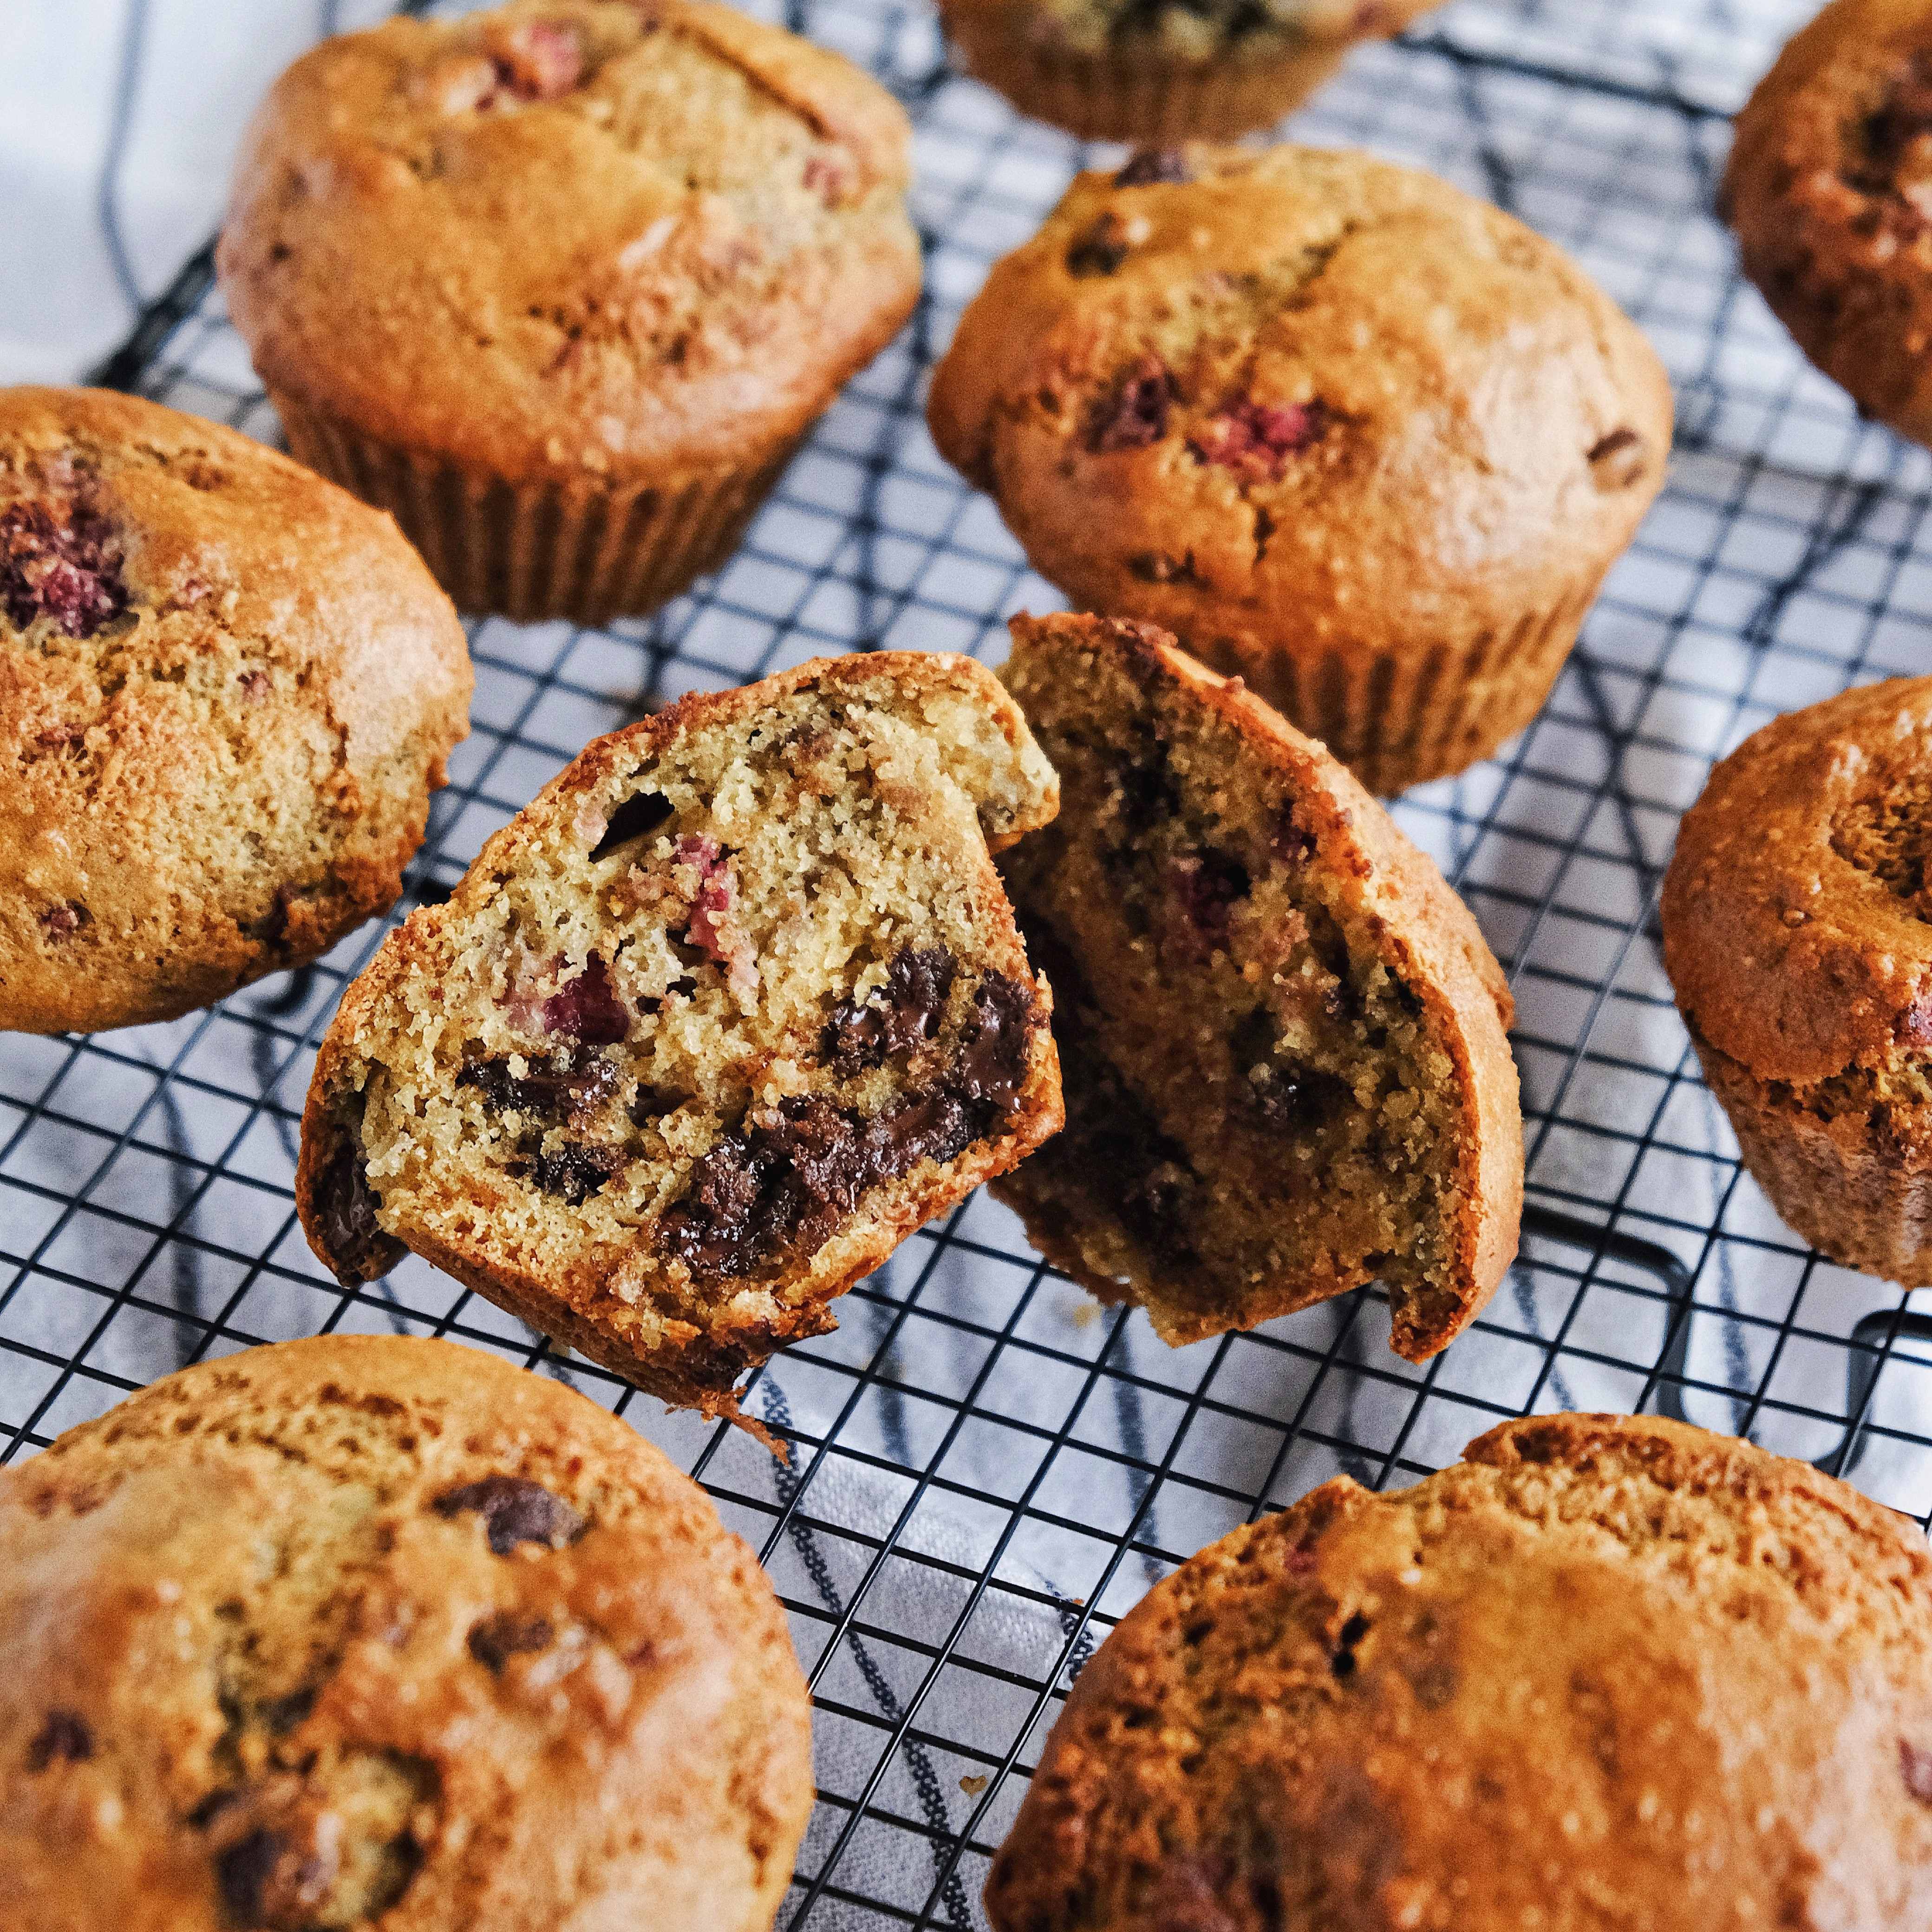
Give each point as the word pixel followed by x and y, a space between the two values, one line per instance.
pixel 986 1470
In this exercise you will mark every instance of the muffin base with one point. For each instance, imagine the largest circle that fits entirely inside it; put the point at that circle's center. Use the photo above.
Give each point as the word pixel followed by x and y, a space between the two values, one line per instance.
pixel 1400 720
pixel 1858 1204
pixel 1121 97
pixel 583 550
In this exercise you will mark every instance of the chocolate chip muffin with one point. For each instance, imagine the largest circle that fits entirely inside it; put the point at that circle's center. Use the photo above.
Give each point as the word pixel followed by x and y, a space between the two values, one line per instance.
pixel 1609 1671
pixel 1365 442
pixel 226 691
pixel 1281 1034
pixel 563 285
pixel 366 1630
pixel 730 1009
pixel 1829 187
pixel 1797 923
pixel 1164 69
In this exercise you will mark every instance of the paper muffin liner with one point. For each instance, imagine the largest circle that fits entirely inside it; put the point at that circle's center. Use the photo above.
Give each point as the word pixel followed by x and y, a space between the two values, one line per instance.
pixel 1855 1203
pixel 1125 96
pixel 583 550
pixel 1399 718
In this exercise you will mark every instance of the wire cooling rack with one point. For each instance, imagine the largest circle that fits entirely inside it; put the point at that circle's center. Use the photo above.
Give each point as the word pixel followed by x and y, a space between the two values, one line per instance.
pixel 987 1471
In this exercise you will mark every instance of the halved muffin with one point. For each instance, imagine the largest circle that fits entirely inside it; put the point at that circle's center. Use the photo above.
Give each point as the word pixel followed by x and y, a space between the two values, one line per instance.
pixel 1281 1034
pixel 732 1007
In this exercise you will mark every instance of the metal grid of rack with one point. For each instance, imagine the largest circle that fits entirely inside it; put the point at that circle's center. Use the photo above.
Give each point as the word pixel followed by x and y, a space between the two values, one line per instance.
pixel 987 1471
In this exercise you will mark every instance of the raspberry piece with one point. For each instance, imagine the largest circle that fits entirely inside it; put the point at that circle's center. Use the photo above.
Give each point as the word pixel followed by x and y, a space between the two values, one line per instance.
pixel 713 928
pixel 63 568
pixel 588 1009
pixel 1259 438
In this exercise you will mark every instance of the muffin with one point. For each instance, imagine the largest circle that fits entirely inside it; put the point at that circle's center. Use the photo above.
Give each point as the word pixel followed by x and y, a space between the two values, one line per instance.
pixel 1607 1671
pixel 1366 443
pixel 1281 1035
pixel 1797 922
pixel 1829 188
pixel 226 692
pixel 366 1629
pixel 1154 70
pixel 730 1009
pixel 563 285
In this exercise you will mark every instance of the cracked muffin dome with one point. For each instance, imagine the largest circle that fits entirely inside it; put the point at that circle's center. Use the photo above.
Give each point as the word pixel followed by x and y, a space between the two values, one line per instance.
pixel 226 691
pixel 1364 441
pixel 1797 926
pixel 1607 1671
pixel 1829 190
pixel 372 1630
pixel 730 1009
pixel 1281 1035
pixel 563 285
pixel 1155 70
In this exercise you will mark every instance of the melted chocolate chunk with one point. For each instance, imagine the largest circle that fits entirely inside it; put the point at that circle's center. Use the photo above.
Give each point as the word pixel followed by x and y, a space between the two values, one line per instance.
pixel 1206 887
pixel 573 1172
pixel 496 1639
pixel 1905 117
pixel 359 1248
pixel 785 1183
pixel 1101 249
pixel 514 1510
pixel 266 1879
pixel 901 1017
pixel 64 1736
pixel 642 811
pixel 1154 164
pixel 649 1105
pixel 588 1009
pixel 1135 415
pixel 66 569
pixel 584 1082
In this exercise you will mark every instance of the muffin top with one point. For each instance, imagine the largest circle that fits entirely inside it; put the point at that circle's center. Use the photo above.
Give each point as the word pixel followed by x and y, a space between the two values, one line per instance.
pixel 1609 1671
pixel 1797 912
pixel 370 1627
pixel 1292 394
pixel 1192 32
pixel 572 235
pixel 225 688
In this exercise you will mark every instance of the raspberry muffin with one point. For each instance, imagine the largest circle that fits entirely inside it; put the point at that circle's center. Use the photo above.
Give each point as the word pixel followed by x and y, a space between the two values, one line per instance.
pixel 1365 442
pixel 226 692
pixel 1156 70
pixel 1607 1671
pixel 1797 922
pixel 563 285
pixel 1281 1034
pixel 730 1009
pixel 1829 188
pixel 364 1629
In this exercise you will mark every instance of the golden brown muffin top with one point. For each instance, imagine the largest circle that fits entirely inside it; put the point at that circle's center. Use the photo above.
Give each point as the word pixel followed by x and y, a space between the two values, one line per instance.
pixel 365 1627
pixel 1797 912
pixel 572 235
pixel 225 685
pixel 1295 394
pixel 1608 1672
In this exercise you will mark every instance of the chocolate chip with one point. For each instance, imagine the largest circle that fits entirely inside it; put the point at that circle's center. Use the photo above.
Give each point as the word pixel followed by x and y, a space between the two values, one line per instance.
pixel 1904 117
pixel 514 1510
pixel 359 1250
pixel 1100 250
pixel 572 1172
pixel 900 1017
pixel 65 569
pixel 1914 1766
pixel 1296 1098
pixel 587 1009
pixel 266 1880
pixel 642 811
pixel 1341 1662
pixel 559 1093
pixel 282 1714
pixel 1135 415
pixel 1152 165
pixel 1205 886
pixel 649 1105
pixel 64 1736
pixel 507 1634
pixel 1619 460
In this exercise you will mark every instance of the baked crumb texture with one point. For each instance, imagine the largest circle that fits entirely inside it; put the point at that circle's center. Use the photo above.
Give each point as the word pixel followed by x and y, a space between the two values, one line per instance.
pixel 1797 922
pixel 1281 1035
pixel 227 690
pixel 1609 1671
pixel 367 1630
pixel 733 1007
pixel 1829 189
